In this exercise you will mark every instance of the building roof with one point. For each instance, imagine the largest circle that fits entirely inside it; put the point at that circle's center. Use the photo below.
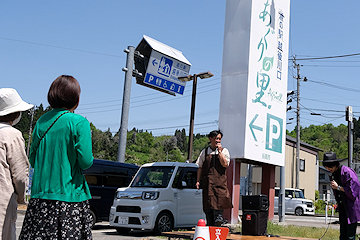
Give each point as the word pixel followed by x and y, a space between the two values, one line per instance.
pixel 292 140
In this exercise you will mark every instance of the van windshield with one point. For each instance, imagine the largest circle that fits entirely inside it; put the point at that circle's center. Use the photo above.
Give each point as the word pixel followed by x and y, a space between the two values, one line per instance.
pixel 154 176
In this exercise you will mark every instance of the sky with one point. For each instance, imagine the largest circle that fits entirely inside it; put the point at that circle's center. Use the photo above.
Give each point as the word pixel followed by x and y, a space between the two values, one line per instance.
pixel 40 40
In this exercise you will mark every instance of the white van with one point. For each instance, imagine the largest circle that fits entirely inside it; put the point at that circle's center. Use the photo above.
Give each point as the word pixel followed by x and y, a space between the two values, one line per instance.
pixel 162 196
pixel 295 202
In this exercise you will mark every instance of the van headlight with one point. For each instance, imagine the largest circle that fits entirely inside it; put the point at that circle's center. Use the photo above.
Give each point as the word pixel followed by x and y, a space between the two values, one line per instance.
pixel 151 195
pixel 118 195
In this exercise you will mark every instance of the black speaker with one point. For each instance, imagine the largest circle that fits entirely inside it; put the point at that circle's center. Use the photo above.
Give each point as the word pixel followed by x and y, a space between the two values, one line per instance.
pixel 255 202
pixel 254 222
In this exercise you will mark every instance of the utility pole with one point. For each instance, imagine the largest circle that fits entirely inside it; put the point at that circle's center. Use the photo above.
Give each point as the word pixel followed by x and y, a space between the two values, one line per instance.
pixel 281 203
pixel 129 73
pixel 32 112
pixel 297 66
pixel 125 104
pixel 298 78
pixel 349 119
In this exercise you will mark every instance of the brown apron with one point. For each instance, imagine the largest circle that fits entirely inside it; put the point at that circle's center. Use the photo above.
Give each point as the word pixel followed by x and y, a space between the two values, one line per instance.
pixel 214 184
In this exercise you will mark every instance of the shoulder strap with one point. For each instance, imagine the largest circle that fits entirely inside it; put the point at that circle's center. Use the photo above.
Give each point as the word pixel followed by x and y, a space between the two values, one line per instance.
pixel 49 128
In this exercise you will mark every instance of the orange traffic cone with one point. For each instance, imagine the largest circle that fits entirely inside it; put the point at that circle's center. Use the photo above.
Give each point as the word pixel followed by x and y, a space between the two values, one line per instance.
pixel 201 231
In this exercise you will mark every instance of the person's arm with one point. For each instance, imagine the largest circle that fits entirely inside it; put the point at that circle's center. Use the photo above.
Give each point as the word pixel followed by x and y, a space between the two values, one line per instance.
pixel 199 162
pixel 351 184
pixel 19 167
pixel 224 157
pixel 83 145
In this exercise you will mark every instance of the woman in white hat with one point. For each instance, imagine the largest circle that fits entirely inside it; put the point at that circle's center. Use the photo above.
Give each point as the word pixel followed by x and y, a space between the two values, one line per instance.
pixel 14 165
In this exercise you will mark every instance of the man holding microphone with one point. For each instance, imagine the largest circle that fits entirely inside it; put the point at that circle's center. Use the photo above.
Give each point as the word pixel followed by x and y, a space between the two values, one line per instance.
pixel 211 177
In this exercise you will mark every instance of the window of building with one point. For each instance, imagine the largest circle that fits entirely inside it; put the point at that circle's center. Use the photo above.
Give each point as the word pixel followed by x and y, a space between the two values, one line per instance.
pixel 302 165
pixel 322 176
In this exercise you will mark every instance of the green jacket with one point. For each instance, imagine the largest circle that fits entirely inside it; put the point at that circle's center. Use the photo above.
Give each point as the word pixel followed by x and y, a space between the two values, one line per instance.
pixel 59 158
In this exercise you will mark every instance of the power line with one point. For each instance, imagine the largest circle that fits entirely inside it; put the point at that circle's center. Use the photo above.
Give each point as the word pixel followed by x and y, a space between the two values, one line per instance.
pixel 156 94
pixel 335 86
pixel 332 103
pixel 141 105
pixel 171 127
pixel 326 66
pixel 66 48
pixel 319 58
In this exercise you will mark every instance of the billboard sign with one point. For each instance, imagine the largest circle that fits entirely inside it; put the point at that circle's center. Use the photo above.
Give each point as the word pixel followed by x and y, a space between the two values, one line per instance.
pixel 253 99
pixel 161 66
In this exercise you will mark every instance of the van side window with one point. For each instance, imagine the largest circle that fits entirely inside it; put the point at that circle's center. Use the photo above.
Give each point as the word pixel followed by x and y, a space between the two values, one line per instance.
pixel 177 177
pixel 185 178
pixel 93 180
pixel 288 192
pixel 190 179
pixel 276 192
pixel 115 181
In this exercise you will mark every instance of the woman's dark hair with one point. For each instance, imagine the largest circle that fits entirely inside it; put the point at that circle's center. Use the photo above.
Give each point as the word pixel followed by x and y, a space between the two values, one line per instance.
pixel 9 117
pixel 331 164
pixel 215 133
pixel 64 92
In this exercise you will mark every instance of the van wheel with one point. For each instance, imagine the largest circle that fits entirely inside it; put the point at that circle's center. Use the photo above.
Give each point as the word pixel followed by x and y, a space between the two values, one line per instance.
pixel 164 223
pixel 299 211
pixel 122 230
pixel 93 219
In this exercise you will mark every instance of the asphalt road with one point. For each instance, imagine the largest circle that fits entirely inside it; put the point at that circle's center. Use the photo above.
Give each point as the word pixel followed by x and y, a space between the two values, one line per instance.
pixel 104 231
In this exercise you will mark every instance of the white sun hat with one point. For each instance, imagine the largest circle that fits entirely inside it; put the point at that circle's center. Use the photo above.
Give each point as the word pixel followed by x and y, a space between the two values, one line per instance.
pixel 10 102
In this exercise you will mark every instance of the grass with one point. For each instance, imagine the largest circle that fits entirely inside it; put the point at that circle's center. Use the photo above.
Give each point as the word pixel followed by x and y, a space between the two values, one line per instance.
pixel 300 231
pixel 303 232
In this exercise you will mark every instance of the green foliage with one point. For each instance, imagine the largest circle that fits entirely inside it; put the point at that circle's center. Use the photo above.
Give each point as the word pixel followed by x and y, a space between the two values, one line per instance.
pixel 181 139
pixel 328 138
pixel 200 142
pixel 104 144
pixel 317 195
pixel 24 124
pixel 319 205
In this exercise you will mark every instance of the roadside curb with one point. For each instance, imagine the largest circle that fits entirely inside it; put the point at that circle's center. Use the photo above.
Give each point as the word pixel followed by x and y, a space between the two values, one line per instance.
pixel 21 211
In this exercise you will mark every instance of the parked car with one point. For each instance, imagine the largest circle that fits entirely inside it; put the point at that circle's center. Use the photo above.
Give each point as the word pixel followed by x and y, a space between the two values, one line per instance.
pixel 104 178
pixel 162 196
pixel 295 202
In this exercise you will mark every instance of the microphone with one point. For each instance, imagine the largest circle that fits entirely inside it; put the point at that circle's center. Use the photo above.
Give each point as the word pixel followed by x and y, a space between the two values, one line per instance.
pixel 331 177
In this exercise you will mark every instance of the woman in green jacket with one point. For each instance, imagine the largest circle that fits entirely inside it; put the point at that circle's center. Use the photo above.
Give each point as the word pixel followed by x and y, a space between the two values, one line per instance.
pixel 60 150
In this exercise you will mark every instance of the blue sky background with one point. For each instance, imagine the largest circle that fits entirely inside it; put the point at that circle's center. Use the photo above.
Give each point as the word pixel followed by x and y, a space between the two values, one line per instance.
pixel 40 40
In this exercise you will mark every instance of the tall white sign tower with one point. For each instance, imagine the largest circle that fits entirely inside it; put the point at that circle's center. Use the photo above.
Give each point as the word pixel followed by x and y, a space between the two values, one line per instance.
pixel 254 79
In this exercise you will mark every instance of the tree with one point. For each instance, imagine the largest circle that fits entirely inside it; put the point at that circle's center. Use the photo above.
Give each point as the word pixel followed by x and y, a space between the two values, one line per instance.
pixel 169 144
pixel 181 139
pixel 24 124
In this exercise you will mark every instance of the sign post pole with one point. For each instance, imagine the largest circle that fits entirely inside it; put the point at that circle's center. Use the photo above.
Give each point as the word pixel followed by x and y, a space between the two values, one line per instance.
pixel 126 104
pixel 191 132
